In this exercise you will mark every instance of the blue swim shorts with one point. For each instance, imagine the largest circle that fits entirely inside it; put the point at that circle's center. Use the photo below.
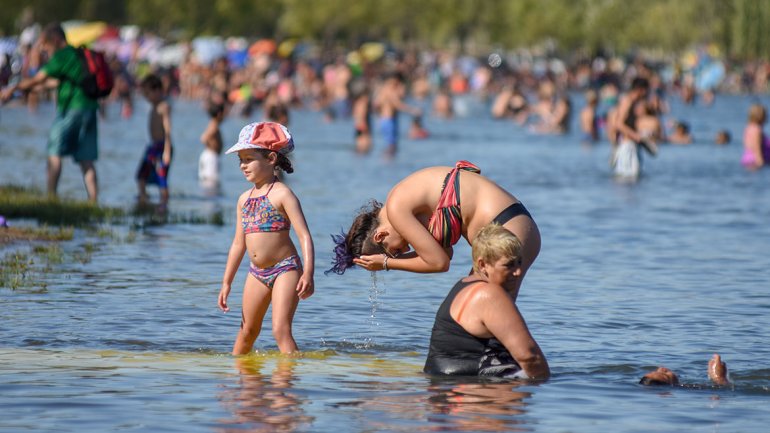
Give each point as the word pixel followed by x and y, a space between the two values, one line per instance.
pixel 74 133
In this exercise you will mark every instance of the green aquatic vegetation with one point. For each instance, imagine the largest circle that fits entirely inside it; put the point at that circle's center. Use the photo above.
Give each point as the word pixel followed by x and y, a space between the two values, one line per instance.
pixel 20 202
pixel 113 235
pixel 51 253
pixel 148 216
pixel 58 218
pixel 45 233
pixel 83 255
pixel 17 271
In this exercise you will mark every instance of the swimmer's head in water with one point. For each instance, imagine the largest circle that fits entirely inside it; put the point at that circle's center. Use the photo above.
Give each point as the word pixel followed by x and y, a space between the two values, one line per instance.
pixel 661 376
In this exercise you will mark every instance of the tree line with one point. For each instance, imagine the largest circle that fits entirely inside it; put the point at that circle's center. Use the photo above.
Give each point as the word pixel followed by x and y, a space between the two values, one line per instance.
pixel 737 27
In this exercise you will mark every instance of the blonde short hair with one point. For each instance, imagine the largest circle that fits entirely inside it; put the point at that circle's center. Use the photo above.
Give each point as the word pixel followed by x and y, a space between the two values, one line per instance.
pixel 494 242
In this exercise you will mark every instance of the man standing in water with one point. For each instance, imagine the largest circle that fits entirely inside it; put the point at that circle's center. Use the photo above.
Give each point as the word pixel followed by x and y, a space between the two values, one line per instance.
pixel 388 102
pixel 74 131
pixel 625 154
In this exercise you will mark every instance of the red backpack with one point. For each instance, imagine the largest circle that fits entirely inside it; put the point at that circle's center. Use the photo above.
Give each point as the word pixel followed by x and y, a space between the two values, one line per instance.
pixel 97 81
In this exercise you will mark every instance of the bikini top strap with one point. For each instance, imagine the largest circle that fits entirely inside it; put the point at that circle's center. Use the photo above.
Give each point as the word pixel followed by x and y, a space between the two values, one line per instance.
pixel 269 189
pixel 467 166
pixel 459 165
pixel 271 186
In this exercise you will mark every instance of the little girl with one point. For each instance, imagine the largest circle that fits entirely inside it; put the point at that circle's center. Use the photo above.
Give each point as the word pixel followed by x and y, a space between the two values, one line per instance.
pixel 265 213
pixel 756 146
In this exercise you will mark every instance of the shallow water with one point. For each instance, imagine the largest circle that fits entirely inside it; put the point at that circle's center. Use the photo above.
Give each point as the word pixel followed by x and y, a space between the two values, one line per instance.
pixel 631 276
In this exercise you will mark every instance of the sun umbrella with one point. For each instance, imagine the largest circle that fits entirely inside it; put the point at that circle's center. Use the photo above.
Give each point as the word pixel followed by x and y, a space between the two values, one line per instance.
pixel 84 34
pixel 262 46
pixel 8 45
pixel 286 48
pixel 209 48
pixel 372 51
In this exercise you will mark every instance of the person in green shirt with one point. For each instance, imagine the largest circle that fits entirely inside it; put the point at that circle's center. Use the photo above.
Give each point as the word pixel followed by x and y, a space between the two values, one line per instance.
pixel 74 131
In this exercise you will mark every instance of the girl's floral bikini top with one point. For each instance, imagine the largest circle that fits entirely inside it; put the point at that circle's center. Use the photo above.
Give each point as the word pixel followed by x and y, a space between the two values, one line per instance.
pixel 258 215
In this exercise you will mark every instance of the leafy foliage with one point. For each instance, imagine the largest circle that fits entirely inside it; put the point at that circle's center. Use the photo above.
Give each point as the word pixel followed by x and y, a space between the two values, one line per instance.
pixel 736 26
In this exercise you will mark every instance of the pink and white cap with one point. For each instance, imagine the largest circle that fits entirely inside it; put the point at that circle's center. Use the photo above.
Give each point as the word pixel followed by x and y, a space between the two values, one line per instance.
pixel 264 135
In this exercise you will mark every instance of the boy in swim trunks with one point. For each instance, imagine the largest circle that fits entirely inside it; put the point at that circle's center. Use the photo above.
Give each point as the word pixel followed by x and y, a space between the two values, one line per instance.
pixel 155 164
pixel 388 102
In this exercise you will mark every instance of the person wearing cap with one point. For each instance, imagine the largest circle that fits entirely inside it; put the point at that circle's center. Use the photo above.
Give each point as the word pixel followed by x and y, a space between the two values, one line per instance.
pixel 264 215
pixel 428 212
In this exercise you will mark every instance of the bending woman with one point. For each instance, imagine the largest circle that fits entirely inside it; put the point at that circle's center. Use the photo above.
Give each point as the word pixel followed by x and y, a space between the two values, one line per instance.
pixel 429 211
pixel 478 330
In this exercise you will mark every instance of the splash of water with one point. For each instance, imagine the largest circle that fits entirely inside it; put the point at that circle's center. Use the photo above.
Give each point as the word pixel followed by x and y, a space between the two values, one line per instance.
pixel 374 301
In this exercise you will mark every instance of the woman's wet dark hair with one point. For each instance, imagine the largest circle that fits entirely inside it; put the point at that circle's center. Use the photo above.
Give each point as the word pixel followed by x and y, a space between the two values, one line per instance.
pixel 360 236
pixel 358 240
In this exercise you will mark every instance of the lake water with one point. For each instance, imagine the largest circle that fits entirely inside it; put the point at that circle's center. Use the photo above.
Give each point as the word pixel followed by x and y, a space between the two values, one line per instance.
pixel 666 271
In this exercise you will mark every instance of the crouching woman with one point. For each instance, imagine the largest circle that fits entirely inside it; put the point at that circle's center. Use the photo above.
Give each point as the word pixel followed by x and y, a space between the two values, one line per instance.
pixel 478 330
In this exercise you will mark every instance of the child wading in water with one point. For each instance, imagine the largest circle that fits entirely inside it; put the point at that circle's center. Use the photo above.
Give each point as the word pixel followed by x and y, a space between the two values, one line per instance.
pixel 208 163
pixel 265 213
pixel 154 166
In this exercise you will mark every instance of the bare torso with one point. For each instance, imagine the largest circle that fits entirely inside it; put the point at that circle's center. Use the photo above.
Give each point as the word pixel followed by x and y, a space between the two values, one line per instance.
pixel 212 137
pixel 481 200
pixel 155 124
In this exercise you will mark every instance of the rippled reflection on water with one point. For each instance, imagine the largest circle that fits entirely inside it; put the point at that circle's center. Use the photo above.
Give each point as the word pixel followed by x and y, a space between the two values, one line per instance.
pixel 663 272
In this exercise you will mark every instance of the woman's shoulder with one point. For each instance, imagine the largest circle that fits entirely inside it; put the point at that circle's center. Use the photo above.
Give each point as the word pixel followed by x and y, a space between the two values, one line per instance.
pixel 431 171
pixel 482 290
pixel 420 180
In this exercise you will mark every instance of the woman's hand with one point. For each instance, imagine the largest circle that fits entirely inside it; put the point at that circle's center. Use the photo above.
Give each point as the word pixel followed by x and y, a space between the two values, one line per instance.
pixel 375 262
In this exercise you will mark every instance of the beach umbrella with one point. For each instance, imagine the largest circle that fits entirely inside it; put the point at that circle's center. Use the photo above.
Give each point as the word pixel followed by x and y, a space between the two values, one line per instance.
pixel 262 46
pixel 8 45
pixel 286 48
pixel 170 55
pixel 209 48
pixel 84 34
pixel 237 51
pixel 237 58
pixel 710 76
pixel 110 33
pixel 372 51
pixel 148 46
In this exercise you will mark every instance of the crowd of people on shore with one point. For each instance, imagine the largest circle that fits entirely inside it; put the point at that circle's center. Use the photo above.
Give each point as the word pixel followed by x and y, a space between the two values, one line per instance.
pixel 478 330
pixel 371 87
